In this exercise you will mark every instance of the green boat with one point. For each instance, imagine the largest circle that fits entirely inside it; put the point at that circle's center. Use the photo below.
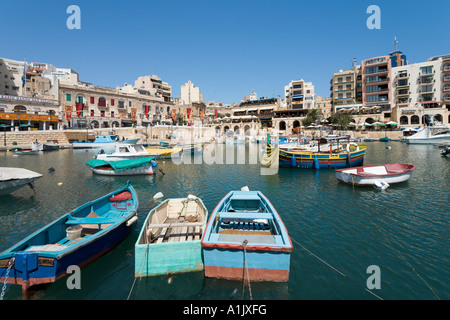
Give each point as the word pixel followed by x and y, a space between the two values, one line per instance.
pixel 170 239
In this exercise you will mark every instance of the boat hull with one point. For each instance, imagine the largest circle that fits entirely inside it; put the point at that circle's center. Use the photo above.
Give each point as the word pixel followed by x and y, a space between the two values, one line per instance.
pixel 46 255
pixel 158 258
pixel 309 160
pixel 246 240
pixel 391 173
pixel 143 170
pixel 430 140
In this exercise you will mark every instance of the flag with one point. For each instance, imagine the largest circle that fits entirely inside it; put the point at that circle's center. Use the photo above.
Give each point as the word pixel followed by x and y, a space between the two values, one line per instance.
pixel 24 77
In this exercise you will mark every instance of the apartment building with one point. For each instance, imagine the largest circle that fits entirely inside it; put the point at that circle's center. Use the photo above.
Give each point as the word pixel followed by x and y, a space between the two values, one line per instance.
pixel 346 88
pixel 190 94
pixel 421 90
pixel 155 85
pixel 299 94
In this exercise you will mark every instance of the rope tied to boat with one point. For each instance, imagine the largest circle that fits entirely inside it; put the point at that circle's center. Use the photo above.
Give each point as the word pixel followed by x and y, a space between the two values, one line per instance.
pixel 244 244
pixel 5 283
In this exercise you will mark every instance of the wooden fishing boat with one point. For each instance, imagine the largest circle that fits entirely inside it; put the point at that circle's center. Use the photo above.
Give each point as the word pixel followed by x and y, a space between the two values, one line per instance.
pixel 27 151
pixel 103 142
pixel 77 238
pixel 338 155
pixel 246 240
pixel 50 146
pixel 368 175
pixel 123 167
pixel 12 179
pixel 169 241
pixel 385 139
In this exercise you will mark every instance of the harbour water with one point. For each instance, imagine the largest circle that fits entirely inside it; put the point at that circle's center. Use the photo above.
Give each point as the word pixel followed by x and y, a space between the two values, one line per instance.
pixel 337 230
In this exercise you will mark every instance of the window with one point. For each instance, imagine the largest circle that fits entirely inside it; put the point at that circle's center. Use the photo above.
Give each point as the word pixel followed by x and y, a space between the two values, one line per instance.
pixel 112 102
pixel 129 104
pixel 92 100
pixel 427 89
pixel 426 70
pixel 101 102
pixel 112 114
pixel 68 97
pixel 102 113
pixel 92 113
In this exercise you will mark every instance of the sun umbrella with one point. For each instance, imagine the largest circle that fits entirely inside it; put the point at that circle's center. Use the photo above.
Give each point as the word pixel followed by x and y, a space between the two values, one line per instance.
pixel 392 123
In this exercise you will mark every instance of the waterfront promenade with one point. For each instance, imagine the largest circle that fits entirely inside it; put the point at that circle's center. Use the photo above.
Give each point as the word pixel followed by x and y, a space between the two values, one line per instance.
pixel 152 135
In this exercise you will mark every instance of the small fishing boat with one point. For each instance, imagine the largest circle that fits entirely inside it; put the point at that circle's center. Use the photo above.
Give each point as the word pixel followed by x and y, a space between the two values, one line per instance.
pixel 368 175
pixel 26 151
pixel 123 152
pixel 37 146
pixel 12 179
pixel 103 142
pixel 50 146
pixel 169 241
pixel 164 145
pixel 140 166
pixel 385 139
pixel 77 238
pixel 246 240
pixel 338 155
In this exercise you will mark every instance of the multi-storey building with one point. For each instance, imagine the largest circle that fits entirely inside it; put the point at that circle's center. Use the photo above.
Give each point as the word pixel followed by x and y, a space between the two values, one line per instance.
pixel 421 90
pixel 190 94
pixel 346 88
pixel 155 85
pixel 299 94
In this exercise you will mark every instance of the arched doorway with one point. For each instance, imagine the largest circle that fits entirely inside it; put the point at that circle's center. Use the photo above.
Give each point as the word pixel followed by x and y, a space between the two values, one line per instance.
pixel 226 128
pixel 282 126
pixel 237 130
pixel 415 119
pixel 247 130
pixel 404 120
pixel 94 124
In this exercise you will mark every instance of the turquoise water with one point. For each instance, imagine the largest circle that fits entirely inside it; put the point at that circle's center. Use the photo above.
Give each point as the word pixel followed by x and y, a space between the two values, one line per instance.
pixel 338 231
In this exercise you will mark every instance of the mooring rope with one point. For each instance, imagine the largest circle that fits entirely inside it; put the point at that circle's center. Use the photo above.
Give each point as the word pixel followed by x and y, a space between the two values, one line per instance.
pixel 140 265
pixel 333 268
pixel 413 269
pixel 246 270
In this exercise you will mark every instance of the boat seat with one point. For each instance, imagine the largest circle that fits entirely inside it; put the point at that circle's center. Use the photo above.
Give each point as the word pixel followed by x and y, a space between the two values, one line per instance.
pixel 90 221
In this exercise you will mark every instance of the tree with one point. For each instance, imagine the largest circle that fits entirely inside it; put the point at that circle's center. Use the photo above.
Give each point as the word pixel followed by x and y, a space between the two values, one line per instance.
pixel 342 120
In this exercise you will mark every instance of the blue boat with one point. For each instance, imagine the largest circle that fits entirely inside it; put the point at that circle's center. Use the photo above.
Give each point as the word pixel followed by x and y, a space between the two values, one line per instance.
pixel 77 238
pixel 246 240
pixel 103 142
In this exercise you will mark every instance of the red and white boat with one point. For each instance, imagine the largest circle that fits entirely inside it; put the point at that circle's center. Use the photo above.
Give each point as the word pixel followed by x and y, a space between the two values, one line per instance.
pixel 372 175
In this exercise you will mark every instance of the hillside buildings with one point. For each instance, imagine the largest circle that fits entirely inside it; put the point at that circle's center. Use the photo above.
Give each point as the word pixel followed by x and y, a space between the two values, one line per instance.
pixel 190 94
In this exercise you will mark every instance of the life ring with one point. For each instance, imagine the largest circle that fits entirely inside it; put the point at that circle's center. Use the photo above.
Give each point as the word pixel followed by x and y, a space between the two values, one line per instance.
pixel 352 144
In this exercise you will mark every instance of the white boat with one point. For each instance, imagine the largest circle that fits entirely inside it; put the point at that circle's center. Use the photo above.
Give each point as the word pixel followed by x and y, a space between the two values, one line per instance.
pixel 143 166
pixel 12 179
pixel 123 152
pixel 36 146
pixel 372 175
pixel 430 135
pixel 103 142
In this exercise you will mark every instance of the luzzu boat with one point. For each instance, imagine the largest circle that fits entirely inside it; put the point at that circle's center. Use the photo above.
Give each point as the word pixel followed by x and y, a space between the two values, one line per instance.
pixel 77 238
pixel 246 240
pixel 335 158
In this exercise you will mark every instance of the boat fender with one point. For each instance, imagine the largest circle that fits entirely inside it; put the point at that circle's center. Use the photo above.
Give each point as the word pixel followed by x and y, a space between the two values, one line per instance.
pixel 245 188
pixel 382 185
pixel 352 144
pixel 159 195
pixel 131 221
pixel 154 163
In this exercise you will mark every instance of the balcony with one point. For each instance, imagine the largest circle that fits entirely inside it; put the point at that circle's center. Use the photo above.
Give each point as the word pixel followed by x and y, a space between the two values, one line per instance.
pixel 446 98
pixel 446 78
pixel 446 68
pixel 446 88
pixel 402 75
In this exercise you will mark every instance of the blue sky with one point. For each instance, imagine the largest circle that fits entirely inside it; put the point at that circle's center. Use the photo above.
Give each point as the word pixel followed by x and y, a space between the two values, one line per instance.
pixel 226 48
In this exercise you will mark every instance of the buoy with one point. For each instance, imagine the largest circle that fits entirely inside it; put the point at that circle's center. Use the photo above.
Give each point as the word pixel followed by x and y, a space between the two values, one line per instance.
pixel 192 197
pixel 382 185
pixel 60 183
pixel 245 188
pixel 157 196
pixel 51 169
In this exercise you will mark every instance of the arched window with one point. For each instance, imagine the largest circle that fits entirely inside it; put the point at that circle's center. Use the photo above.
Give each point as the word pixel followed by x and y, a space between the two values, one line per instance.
pixel 415 119
pixel 101 102
pixel 282 125
pixel 404 120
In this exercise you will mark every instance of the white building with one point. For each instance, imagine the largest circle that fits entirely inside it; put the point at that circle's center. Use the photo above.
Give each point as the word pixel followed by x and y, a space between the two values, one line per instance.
pixel 422 88
pixel 155 85
pixel 190 94
pixel 299 95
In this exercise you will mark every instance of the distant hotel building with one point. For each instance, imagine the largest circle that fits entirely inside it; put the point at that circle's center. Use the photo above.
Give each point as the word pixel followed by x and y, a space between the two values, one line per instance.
pixel 346 88
pixel 155 86
pixel 299 95
pixel 422 88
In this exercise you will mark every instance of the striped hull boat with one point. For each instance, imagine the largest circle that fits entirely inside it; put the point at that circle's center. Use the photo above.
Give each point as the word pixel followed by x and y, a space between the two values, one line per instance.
pixel 46 255
pixel 313 160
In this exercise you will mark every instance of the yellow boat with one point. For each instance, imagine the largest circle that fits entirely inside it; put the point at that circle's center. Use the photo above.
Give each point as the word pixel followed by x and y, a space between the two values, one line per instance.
pixel 164 153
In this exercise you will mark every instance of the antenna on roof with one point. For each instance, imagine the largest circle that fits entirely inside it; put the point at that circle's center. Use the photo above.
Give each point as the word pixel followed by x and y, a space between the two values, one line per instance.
pixel 395 43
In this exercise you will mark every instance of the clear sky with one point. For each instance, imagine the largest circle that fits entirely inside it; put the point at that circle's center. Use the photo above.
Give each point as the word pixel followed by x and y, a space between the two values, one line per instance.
pixel 227 48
